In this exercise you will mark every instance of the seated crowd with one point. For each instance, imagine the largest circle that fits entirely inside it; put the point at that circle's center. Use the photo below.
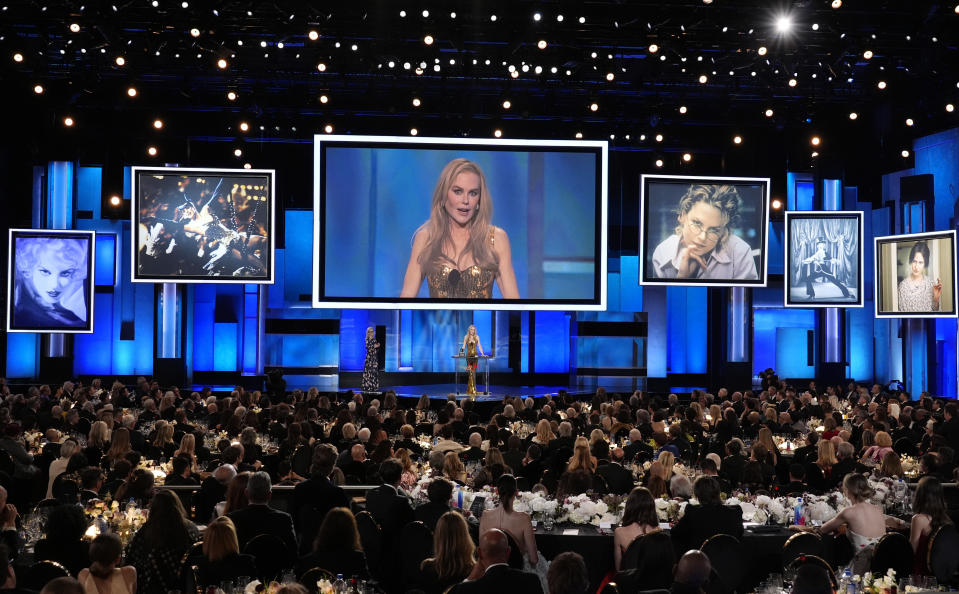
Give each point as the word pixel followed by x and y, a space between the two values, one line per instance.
pixel 94 440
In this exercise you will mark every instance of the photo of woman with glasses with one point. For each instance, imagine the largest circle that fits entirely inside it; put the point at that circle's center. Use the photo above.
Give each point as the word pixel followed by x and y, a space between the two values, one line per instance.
pixel 702 245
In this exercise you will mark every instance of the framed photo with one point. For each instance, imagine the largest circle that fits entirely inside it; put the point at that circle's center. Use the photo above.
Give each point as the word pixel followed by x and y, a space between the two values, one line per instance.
pixel 454 223
pixel 824 259
pixel 703 231
pixel 202 225
pixel 916 275
pixel 50 278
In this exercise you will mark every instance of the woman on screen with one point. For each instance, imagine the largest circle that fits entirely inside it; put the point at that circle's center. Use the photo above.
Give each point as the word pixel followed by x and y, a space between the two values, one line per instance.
pixel 459 250
pixel 917 292
pixel 371 380
pixel 48 288
pixel 472 348
pixel 702 247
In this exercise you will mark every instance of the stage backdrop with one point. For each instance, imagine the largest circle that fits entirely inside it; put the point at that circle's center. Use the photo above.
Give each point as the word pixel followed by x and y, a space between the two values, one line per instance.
pixel 911 270
pixel 202 225
pixel 50 277
pixel 703 231
pixel 824 259
pixel 372 194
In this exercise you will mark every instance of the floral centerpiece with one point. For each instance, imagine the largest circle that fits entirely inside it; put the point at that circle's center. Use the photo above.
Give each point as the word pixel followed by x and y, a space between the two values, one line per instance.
pixel 879 584
pixel 670 510
pixel 324 586
pixel 534 502
pixel 584 509
pixel 107 516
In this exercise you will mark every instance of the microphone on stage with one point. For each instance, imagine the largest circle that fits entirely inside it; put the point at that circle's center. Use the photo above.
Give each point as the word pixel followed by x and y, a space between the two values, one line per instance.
pixel 454 280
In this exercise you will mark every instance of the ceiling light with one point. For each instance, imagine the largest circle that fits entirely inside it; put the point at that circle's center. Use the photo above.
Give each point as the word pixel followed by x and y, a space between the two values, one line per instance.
pixel 194 32
pixel 687 157
pixel 703 78
pixel 231 96
pixel 132 91
pixel 777 203
pixel 221 64
pixel 793 82
pixel 507 104
pixel 762 50
pixel 815 26
pixel 814 154
pixel 815 140
pixel 769 113
pixel 537 16
pixel 905 154
pixel 120 61
pixel 950 107
pixel 836 3
pixel 414 131
pixel 152 151
pixel 541 44
pixel 881 85
pixel 610 76
pixel 75 27
pixel 158 124
pixel 247 166
pixel 659 138
pixel 428 40
pixel 321 67
pixel 853 115
pixel 324 99
pixel 244 126
pixel 38 89
pixel 328 128
pixel 909 122
pixel 497 133
pixel 682 109
pixel 659 162
pixel 653 48
pixel 18 57
pixel 867 54
pixel 593 106
pixel 579 135
pixel 784 24
pixel 417 102
pixel 68 121
pixel 737 139
pixel 115 200
pixel 313 35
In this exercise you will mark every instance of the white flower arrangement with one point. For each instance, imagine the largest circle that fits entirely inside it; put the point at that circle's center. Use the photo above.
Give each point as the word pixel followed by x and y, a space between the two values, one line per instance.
pixel 324 586
pixel 582 509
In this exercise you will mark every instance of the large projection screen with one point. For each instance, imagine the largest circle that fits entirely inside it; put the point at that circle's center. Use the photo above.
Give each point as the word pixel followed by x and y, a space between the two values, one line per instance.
pixel 193 225
pixel 451 223
pixel 911 271
pixel 824 259
pixel 50 276
pixel 703 231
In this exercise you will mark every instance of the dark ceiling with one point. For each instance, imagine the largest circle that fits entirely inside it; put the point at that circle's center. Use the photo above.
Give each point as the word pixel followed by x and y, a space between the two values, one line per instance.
pixel 273 67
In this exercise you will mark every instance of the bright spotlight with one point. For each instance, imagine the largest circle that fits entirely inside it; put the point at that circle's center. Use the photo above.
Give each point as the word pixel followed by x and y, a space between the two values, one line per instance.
pixel 784 25
pixel 777 204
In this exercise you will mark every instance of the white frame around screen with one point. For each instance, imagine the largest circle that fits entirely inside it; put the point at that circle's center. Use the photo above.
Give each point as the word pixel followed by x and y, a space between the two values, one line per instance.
pixel 134 199
pixel 861 299
pixel 951 234
pixel 92 270
pixel 492 304
pixel 678 283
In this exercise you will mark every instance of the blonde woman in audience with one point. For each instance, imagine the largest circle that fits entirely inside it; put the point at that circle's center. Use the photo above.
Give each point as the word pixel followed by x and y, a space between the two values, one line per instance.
pixel 453 468
pixel 544 433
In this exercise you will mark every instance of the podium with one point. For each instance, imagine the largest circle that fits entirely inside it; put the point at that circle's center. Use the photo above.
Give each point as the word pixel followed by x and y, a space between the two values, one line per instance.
pixel 486 372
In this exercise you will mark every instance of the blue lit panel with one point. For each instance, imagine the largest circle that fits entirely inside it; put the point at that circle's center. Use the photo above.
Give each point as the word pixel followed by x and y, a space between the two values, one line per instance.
pixel 630 293
pixel 298 238
pixel 225 346
pixel 89 181
pixel 22 357
pixel 301 350
pixel 766 340
pixel 552 342
pixel 204 302
pixel 106 261
pixel 805 195
pixel 92 353
pixel 946 358
pixel 353 325
pixel 792 358
pixel 251 303
pixel 406 338
pixel 610 352
pixel 686 309
pixel 776 249
pixel 859 341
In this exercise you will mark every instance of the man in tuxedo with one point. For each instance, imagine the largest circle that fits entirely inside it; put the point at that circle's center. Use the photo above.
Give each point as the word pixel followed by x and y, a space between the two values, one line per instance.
pixel 707 519
pixel 259 518
pixel 439 492
pixel 492 573
pixel 314 497
pixel 392 511
pixel 619 480
pixel 795 486
pixel 637 450
pixel 733 465
pixel 808 452
pixel 475 453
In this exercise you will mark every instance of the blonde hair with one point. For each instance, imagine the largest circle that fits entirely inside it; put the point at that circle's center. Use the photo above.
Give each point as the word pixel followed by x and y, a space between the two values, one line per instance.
pixel 164 434
pixel 544 433
pixel 219 539
pixel 883 439
pixel 581 459
pixel 827 454
pixel 99 434
pixel 765 437
pixel 453 468
pixel 437 228
pixel 454 548
pixel 403 455
pixel 596 435
pixel 187 445
pixel 667 459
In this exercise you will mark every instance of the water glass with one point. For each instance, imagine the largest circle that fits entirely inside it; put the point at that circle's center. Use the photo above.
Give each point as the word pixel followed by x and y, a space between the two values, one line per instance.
pixel 930 583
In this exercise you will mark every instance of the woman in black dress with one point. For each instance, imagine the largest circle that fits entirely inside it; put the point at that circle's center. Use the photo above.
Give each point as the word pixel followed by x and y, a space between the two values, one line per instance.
pixel 371 380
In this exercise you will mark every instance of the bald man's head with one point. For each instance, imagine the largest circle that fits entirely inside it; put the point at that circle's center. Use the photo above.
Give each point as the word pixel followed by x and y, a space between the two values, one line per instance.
pixel 693 569
pixel 494 547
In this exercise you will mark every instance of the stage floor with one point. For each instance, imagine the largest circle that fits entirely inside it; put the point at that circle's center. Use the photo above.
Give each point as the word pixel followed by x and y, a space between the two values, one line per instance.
pixel 438 391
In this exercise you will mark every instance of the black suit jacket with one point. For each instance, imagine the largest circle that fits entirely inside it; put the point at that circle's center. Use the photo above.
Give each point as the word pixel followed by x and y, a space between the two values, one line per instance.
pixel 732 469
pixel 702 521
pixel 638 451
pixel 390 509
pixel 618 479
pixel 254 520
pixel 311 500
pixel 429 513
pixel 501 579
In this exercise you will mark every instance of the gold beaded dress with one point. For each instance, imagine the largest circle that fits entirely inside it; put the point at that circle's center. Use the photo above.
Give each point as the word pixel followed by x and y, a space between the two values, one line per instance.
pixel 448 282
pixel 471 361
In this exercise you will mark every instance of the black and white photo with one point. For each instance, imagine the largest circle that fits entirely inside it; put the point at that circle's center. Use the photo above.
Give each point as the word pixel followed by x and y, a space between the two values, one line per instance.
pixel 824 259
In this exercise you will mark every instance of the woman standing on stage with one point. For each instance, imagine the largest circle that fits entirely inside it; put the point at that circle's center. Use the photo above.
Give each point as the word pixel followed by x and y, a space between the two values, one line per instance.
pixel 371 380
pixel 471 346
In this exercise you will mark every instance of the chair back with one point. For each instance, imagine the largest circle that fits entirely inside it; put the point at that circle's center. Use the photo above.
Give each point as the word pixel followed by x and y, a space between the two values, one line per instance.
pixel 311 576
pixel 417 541
pixel 515 554
pixel 271 555
pixel 41 572
pixel 893 551
pixel 301 460
pixel 65 489
pixel 943 555
pixel 801 560
pixel 728 559
pixel 801 543
pixel 6 463
pixel 647 563
pixel 371 537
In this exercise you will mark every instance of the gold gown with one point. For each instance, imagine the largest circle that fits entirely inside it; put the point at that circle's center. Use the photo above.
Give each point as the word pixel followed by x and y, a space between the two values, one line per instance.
pixel 471 361
pixel 448 282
